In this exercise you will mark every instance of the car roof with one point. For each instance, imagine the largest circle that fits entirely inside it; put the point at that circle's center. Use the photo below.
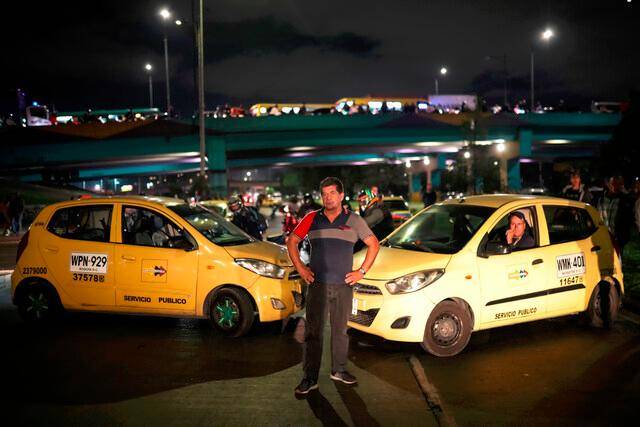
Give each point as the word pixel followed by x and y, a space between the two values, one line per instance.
pixel 498 200
pixel 164 201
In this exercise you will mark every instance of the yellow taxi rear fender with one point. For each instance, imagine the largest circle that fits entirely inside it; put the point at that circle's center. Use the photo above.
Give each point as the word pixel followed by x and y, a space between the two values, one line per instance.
pixel 464 304
pixel 212 294
pixel 35 281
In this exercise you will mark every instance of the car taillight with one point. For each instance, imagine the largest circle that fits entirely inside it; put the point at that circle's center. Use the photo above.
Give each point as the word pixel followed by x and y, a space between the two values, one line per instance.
pixel 22 245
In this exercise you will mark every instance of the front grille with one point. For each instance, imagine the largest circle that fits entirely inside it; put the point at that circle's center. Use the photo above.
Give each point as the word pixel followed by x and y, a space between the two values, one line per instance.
pixel 298 298
pixel 366 289
pixel 294 275
pixel 364 318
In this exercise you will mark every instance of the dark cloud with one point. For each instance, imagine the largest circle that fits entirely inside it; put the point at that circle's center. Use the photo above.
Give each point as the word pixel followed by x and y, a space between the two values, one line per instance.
pixel 267 35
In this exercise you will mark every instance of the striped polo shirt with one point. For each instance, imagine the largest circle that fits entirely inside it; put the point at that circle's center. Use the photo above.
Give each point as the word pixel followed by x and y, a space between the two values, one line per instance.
pixel 332 243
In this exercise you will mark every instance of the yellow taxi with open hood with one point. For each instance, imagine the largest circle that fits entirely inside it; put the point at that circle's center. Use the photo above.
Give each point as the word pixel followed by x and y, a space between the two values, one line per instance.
pixel 151 255
pixel 448 271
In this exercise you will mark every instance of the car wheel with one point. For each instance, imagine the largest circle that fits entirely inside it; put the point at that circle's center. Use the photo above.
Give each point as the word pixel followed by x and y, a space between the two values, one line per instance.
pixel 231 312
pixel 448 329
pixel 38 304
pixel 603 305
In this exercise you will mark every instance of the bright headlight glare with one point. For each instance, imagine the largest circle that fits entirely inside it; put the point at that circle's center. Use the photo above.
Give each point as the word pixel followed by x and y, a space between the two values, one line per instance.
pixel 414 281
pixel 262 268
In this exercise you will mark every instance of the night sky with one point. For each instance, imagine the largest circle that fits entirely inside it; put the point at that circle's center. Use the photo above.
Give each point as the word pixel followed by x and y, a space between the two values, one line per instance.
pixel 79 55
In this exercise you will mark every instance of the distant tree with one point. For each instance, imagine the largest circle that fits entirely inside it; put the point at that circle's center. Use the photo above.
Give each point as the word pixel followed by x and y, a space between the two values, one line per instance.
pixel 620 155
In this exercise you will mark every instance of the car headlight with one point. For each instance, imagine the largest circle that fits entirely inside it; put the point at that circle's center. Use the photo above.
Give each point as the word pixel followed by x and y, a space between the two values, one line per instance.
pixel 262 268
pixel 414 281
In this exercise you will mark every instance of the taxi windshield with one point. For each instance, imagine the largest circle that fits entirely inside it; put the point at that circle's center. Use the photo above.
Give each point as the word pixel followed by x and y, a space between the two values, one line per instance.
pixel 442 229
pixel 212 226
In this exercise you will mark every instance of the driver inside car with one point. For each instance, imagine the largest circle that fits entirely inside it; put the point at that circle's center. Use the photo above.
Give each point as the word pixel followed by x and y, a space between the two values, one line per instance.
pixel 519 234
pixel 159 236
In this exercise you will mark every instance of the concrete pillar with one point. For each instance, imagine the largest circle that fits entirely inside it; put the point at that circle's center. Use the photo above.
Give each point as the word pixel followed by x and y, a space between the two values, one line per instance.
pixel 514 180
pixel 217 164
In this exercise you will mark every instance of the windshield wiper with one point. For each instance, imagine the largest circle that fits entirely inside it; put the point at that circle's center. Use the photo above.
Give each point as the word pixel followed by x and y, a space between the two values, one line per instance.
pixel 412 246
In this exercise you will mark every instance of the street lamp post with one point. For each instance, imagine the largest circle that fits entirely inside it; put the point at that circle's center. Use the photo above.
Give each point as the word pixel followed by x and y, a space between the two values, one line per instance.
pixel 149 68
pixel 443 72
pixel 165 14
pixel 546 35
pixel 200 40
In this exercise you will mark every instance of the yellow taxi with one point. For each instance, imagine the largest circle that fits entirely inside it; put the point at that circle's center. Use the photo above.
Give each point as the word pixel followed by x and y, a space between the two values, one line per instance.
pixel 449 270
pixel 156 256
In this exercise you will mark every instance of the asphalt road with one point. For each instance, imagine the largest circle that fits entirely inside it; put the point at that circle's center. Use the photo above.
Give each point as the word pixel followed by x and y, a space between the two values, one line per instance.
pixel 102 369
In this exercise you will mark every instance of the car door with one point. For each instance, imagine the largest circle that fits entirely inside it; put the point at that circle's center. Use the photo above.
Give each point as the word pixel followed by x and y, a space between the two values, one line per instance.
pixel 573 255
pixel 150 274
pixel 79 252
pixel 512 284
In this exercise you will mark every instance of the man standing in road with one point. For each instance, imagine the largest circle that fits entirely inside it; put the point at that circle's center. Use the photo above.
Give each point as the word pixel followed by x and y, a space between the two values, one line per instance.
pixel 332 231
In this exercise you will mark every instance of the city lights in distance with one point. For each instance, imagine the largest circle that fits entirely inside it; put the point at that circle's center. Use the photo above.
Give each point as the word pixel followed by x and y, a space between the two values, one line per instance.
pixel 467 155
pixel 547 34
pixel 500 147
pixel 165 14
pixel 443 70
pixel 148 67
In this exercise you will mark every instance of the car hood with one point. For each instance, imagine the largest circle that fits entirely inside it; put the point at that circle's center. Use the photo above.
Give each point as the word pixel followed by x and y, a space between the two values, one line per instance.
pixel 264 251
pixel 392 263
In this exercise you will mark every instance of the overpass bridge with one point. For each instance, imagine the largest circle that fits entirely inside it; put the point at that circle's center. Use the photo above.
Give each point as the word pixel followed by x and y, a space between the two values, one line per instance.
pixel 94 150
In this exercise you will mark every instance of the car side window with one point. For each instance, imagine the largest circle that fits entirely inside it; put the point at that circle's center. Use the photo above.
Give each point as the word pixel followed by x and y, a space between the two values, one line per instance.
pixel 530 231
pixel 145 227
pixel 567 223
pixel 90 223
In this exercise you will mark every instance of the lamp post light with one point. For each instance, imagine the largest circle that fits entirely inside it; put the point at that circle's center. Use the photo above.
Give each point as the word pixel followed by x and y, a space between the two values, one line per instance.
pixel 545 36
pixel 443 72
pixel 166 15
pixel 149 68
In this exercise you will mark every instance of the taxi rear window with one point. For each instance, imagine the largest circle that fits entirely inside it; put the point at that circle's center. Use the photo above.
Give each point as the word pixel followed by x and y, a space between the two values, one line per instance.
pixel 90 223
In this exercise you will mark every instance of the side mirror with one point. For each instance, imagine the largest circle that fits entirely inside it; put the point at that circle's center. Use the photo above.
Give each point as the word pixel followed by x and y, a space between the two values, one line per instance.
pixel 496 248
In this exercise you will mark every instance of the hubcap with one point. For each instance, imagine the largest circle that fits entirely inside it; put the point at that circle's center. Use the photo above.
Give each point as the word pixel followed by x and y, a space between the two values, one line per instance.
pixel 226 313
pixel 38 305
pixel 446 329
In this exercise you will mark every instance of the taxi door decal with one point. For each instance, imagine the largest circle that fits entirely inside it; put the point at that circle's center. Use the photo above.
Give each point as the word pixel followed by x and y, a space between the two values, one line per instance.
pixel 155 270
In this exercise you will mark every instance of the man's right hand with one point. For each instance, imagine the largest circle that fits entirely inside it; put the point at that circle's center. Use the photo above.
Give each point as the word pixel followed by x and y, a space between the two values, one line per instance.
pixel 307 275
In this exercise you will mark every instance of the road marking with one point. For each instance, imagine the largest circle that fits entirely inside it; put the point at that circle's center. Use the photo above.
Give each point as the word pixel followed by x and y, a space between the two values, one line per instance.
pixel 431 394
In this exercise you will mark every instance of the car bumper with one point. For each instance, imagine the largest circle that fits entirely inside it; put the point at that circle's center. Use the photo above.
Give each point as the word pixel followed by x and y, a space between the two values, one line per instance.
pixel 377 313
pixel 277 299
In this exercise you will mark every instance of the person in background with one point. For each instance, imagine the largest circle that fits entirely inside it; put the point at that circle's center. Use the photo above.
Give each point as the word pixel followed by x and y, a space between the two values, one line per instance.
pixel 247 218
pixel 616 210
pixel 576 190
pixel 429 197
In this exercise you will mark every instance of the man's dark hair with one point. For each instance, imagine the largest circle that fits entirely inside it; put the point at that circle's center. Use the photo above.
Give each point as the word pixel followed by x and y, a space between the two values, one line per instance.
pixel 575 172
pixel 332 180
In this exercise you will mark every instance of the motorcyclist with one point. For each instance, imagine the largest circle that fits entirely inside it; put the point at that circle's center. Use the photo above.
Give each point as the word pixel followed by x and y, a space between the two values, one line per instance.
pixel 308 205
pixel 247 217
pixel 377 215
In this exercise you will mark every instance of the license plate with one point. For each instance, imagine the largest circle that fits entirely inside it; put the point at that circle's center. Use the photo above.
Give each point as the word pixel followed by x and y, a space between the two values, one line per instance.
pixel 354 306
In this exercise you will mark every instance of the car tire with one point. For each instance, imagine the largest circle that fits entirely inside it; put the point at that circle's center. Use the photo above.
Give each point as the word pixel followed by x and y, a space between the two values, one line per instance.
pixel 603 305
pixel 38 304
pixel 448 329
pixel 231 312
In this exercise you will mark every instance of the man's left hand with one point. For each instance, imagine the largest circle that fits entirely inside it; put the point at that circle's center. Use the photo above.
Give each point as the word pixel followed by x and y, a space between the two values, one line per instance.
pixel 353 277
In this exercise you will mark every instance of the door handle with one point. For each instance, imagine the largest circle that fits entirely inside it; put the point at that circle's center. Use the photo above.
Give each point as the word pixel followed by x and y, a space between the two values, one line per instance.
pixel 52 249
pixel 128 258
pixel 595 248
pixel 537 261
